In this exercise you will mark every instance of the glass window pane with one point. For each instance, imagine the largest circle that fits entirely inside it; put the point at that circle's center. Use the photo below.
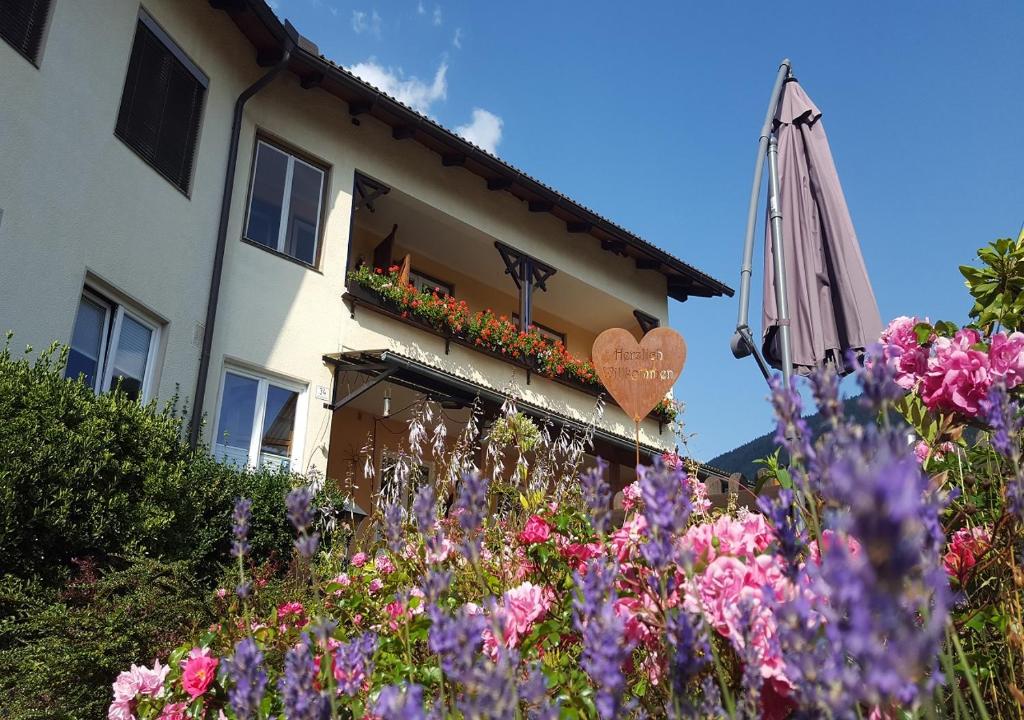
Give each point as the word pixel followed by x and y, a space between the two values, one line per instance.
pixel 304 212
pixel 237 412
pixel 279 422
pixel 131 356
pixel 86 341
pixel 267 194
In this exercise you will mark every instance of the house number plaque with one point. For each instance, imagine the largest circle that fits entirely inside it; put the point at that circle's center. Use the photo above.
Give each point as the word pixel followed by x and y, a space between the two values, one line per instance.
pixel 638 375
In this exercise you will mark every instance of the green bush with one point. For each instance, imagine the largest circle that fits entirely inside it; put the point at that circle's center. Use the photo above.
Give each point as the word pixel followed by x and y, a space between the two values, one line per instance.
pixel 99 476
pixel 60 650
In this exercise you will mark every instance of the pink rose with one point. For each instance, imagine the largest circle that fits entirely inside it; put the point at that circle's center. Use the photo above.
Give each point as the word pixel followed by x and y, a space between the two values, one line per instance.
pixel 1006 358
pixel 173 711
pixel 522 606
pixel 375 585
pixel 828 537
pixel 359 559
pixel 719 589
pixel 631 496
pixel 902 351
pixel 384 565
pixel 199 672
pixel 966 545
pixel 151 680
pixel 627 538
pixel 537 530
pixel 958 376
pixel 441 553
pixel 577 554
pixel 121 710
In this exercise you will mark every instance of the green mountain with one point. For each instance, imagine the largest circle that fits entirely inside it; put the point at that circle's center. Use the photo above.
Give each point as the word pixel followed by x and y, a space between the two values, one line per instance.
pixel 741 459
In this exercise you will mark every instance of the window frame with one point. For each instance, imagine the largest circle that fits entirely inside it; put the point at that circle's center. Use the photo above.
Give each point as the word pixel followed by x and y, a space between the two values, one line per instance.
pixel 542 328
pixel 113 318
pixel 264 379
pixel 293 154
pixel 144 18
pixel 433 282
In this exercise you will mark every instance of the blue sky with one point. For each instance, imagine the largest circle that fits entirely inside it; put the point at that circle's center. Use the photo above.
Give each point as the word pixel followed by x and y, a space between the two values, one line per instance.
pixel 649 113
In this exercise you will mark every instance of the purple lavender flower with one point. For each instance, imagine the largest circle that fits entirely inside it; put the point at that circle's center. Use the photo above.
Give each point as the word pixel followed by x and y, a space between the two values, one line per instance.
pixel 472 500
pixel 240 527
pixel 788 538
pixel 690 651
pixel 456 639
pixel 666 509
pixel 243 589
pixel 1004 417
pixel 434 584
pixel 423 509
pixel 877 378
pixel 307 544
pixel 597 494
pixel 791 431
pixel 605 646
pixel 323 629
pixel 393 527
pixel 353 663
pixel 1015 497
pixel 400 703
pixel 825 390
pixel 751 681
pixel 533 691
pixel 301 699
pixel 300 512
pixel 248 679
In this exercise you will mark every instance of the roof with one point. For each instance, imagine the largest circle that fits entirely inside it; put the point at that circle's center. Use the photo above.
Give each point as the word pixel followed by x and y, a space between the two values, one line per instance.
pixel 270 36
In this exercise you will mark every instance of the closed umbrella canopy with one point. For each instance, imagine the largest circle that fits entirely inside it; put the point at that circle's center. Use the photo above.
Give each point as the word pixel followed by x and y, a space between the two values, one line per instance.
pixel 832 308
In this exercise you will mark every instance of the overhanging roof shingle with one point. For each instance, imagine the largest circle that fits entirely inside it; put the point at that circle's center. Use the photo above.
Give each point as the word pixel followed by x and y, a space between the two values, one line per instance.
pixel 269 35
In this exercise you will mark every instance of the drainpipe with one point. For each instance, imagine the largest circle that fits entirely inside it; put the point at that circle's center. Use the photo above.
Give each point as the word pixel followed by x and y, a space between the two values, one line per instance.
pixel 222 233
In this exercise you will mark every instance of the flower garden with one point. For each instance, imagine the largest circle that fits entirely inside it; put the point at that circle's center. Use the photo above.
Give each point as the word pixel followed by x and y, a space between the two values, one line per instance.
pixel 486 330
pixel 880 577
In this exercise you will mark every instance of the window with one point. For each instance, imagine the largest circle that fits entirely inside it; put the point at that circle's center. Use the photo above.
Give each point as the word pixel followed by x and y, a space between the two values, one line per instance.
pixel 112 346
pixel 259 421
pixel 284 203
pixel 427 284
pixel 22 23
pixel 162 104
pixel 545 332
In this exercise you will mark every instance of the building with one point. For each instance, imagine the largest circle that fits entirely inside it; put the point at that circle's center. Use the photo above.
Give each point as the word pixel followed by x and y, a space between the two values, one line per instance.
pixel 186 187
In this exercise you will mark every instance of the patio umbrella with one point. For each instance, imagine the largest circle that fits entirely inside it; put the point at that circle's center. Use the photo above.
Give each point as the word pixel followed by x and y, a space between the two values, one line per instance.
pixel 831 306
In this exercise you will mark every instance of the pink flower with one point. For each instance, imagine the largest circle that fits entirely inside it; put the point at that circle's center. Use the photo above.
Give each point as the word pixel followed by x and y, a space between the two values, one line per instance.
pixel 627 538
pixel 902 351
pixel 525 604
pixel 442 552
pixel 384 565
pixel 396 610
pixel 958 375
pixel 359 559
pixel 221 592
pixel 537 530
pixel 631 496
pixel 357 619
pixel 1006 358
pixel 375 585
pixel 577 554
pixel 966 545
pixel 126 687
pixel 827 538
pixel 719 589
pixel 173 711
pixel 151 680
pixel 121 710
pixel 922 451
pixel 416 593
pixel 199 672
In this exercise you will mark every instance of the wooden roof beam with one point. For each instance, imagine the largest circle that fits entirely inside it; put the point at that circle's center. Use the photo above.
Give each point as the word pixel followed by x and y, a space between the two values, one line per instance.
pixel 647 264
pixel 453 159
pixel 541 205
pixel 578 227
pixel 499 183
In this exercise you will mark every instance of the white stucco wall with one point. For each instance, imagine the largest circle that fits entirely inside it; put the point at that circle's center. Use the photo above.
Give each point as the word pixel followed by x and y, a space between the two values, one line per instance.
pixel 77 200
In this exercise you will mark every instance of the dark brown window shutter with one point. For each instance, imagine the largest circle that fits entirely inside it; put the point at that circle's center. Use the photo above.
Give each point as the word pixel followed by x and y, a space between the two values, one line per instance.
pixel 161 108
pixel 22 23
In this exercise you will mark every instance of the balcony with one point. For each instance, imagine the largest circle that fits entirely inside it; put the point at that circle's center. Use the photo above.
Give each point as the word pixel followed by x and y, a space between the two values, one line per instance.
pixel 411 263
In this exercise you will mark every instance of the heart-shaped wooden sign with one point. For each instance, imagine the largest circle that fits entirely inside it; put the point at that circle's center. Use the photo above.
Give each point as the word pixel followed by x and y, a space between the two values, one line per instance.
pixel 638 375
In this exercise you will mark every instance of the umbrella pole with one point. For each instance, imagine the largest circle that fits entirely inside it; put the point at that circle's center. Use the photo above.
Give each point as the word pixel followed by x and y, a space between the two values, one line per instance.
pixel 742 341
pixel 779 259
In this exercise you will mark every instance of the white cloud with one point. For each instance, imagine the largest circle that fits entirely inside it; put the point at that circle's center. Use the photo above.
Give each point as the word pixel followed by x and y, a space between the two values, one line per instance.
pixel 457 38
pixel 273 5
pixel 361 23
pixel 437 15
pixel 483 130
pixel 420 10
pixel 410 90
